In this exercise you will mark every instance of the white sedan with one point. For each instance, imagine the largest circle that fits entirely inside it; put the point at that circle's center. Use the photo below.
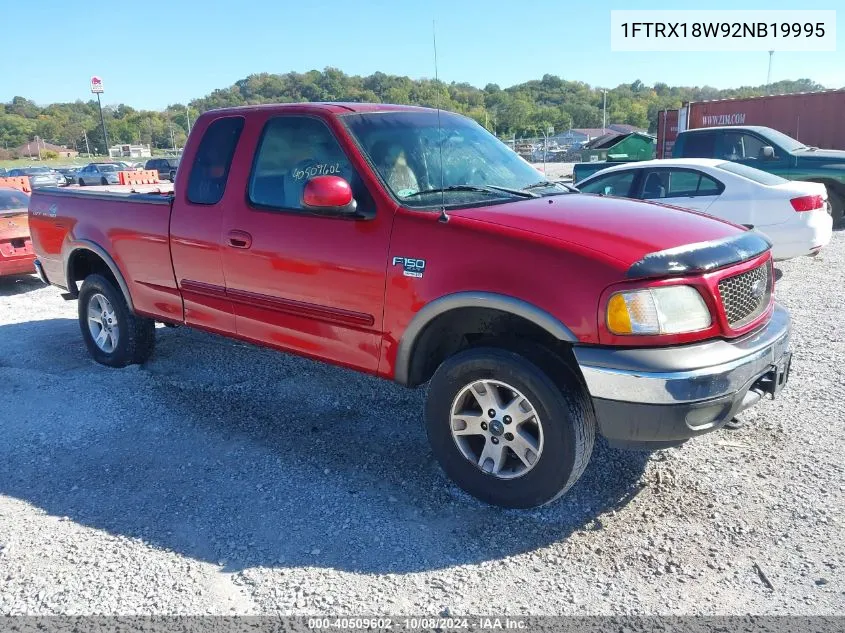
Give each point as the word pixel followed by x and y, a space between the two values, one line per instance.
pixel 793 214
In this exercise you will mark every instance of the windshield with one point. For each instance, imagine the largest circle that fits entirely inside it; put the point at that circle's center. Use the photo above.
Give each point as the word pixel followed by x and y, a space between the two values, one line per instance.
pixel 12 200
pixel 406 147
pixel 36 170
pixel 786 142
pixel 757 175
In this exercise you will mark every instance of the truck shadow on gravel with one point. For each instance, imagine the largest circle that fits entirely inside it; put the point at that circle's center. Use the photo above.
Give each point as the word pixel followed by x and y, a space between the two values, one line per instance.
pixel 19 284
pixel 244 457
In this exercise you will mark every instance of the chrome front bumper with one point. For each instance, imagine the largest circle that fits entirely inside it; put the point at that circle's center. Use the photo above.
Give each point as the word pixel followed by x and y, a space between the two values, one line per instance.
pixel 670 394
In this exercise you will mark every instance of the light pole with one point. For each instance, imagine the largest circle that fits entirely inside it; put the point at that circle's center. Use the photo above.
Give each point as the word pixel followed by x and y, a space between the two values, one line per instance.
pixel 97 89
pixel 188 117
pixel 769 74
pixel 103 123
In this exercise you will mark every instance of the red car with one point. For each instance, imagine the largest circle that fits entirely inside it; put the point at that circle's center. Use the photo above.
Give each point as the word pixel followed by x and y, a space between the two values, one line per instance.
pixel 411 244
pixel 16 254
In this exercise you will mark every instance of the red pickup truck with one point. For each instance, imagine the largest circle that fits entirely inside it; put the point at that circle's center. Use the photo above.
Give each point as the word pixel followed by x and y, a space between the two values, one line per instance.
pixel 411 244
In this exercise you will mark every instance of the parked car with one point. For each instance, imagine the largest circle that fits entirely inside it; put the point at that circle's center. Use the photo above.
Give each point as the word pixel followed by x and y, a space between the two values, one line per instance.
pixel 350 233
pixel 17 256
pixel 793 215
pixel 39 176
pixel 3 172
pixel 69 174
pixel 166 167
pixel 99 174
pixel 771 151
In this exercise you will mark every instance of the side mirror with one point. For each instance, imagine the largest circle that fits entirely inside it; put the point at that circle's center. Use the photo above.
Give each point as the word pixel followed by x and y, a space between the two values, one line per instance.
pixel 329 195
pixel 767 152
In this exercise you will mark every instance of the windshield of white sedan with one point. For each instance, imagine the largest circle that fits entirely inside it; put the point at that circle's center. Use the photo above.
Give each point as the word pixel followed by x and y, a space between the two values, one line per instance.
pixel 454 161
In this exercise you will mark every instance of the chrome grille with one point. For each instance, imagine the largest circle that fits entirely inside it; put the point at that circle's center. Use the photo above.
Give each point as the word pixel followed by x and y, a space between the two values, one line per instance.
pixel 746 295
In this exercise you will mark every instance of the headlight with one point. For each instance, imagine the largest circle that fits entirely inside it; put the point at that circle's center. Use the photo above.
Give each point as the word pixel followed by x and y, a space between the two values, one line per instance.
pixel 667 310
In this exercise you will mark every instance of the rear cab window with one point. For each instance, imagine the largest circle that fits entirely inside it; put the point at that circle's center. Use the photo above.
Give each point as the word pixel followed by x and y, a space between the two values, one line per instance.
pixel 695 145
pixel 210 171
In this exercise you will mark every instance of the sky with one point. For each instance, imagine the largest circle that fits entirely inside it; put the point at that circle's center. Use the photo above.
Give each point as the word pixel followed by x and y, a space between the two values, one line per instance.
pixel 150 55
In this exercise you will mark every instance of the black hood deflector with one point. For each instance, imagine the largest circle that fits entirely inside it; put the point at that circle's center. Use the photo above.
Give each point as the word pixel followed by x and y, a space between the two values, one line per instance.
pixel 701 257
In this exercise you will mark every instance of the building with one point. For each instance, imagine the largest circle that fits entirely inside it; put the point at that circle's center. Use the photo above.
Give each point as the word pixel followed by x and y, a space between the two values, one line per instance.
pixel 33 150
pixel 129 151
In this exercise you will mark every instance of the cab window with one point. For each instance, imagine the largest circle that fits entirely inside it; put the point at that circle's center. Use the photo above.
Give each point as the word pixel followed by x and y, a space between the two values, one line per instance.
pixel 741 146
pixel 292 151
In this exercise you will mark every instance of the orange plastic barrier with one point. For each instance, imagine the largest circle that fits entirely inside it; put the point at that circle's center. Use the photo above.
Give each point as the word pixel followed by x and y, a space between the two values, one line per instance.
pixel 139 177
pixel 18 182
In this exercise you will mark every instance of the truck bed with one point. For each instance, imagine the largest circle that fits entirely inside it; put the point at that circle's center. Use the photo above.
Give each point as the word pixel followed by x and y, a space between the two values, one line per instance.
pixel 129 223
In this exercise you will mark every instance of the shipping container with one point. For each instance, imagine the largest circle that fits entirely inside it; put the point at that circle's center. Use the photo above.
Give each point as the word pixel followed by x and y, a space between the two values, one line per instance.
pixel 814 118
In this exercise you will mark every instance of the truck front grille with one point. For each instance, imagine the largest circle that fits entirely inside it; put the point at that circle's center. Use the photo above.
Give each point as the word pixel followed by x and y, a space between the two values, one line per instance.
pixel 745 296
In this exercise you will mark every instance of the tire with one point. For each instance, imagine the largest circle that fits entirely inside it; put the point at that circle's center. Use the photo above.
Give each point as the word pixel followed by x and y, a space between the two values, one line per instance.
pixel 103 181
pixel 560 404
pixel 135 337
pixel 837 205
pixel 81 182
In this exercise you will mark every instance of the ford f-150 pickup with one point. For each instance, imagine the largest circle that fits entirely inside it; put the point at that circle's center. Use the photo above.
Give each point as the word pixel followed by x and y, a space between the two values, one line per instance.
pixel 411 244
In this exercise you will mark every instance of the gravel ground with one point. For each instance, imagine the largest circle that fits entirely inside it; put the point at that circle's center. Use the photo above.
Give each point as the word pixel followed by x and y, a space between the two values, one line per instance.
pixel 222 478
pixel 556 170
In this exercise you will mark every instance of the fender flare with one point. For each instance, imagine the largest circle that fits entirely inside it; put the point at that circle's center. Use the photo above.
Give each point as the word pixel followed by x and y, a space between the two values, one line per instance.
pixel 471 299
pixel 99 251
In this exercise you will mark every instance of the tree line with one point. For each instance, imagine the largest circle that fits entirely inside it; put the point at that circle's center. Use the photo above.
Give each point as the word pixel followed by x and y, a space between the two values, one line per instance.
pixel 522 110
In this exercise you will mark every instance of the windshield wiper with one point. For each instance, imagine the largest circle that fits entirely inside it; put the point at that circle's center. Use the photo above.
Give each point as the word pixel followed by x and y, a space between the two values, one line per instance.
pixel 538 185
pixel 492 189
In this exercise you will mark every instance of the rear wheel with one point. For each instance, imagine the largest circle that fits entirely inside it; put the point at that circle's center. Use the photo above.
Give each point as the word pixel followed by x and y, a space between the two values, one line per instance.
pixel 505 430
pixel 113 335
pixel 837 205
pixel 103 181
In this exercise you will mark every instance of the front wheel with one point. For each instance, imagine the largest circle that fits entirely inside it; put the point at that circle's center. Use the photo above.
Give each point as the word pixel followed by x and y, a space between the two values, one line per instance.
pixel 113 335
pixel 514 429
pixel 81 182
pixel 103 181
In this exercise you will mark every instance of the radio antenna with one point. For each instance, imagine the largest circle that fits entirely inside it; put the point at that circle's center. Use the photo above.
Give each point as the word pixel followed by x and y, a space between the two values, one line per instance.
pixel 443 216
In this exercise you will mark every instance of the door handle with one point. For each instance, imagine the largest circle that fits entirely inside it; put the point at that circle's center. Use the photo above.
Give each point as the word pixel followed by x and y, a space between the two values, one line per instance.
pixel 239 239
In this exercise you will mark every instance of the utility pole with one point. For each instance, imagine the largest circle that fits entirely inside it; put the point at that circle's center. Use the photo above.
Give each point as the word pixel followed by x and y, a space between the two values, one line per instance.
pixel 38 148
pixel 87 147
pixel 769 74
pixel 604 113
pixel 188 117
pixel 172 138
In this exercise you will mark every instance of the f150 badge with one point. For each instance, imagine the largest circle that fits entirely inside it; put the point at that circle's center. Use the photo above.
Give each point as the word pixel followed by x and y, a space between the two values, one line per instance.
pixel 410 267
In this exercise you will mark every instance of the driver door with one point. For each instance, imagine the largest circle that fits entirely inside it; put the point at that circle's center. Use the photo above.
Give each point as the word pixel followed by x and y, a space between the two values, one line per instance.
pixel 302 282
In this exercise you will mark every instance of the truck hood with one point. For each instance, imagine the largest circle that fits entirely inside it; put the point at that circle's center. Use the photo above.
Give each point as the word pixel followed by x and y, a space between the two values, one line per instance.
pixel 836 155
pixel 625 230
pixel 14 224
